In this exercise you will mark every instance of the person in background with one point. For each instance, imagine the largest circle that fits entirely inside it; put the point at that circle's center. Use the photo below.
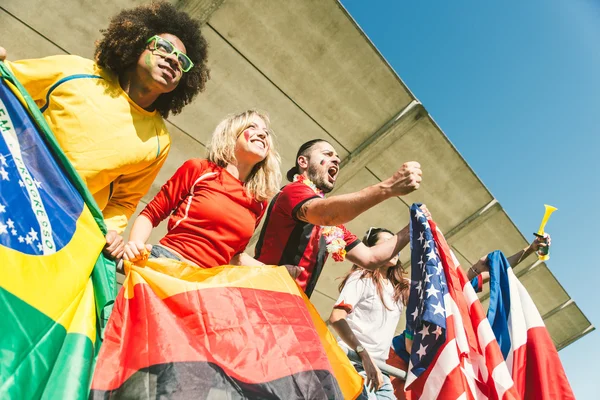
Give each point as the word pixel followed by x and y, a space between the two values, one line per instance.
pixel 367 312
pixel 479 272
pixel 214 205
pixel 107 115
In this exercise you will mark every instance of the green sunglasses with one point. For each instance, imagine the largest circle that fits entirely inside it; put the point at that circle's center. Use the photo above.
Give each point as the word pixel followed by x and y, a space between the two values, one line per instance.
pixel 163 47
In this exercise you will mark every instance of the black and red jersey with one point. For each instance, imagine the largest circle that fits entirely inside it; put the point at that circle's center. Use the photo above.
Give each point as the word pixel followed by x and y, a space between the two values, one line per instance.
pixel 287 240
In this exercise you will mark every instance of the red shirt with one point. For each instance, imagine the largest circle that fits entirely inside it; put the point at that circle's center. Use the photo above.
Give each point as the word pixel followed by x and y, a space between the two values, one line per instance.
pixel 287 240
pixel 212 216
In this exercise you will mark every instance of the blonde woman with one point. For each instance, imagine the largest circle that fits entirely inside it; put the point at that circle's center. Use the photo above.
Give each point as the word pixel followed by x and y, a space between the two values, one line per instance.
pixel 216 203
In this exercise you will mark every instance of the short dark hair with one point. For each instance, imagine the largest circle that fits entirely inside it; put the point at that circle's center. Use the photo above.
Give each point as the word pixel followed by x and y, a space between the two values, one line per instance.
pixel 302 151
pixel 126 38
pixel 372 235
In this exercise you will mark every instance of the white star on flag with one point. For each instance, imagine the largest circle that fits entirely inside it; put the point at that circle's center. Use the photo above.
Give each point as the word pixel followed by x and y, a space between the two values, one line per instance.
pixel 438 309
pixel 14 232
pixel 3 160
pixel 419 214
pixel 421 238
pixel 21 183
pixel 2 208
pixel 425 331
pixel 33 234
pixel 431 255
pixel 21 240
pixel 37 183
pixel 40 247
pixel 415 313
pixel 28 239
pixel 439 268
pixel 438 332
pixel 3 228
pixel 419 288
pixel 421 352
pixel 4 174
pixel 10 223
pixel 426 245
pixel 432 291
pixel 427 277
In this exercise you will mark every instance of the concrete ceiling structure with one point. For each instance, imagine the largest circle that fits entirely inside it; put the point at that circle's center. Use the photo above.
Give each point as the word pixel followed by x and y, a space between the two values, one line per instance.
pixel 313 69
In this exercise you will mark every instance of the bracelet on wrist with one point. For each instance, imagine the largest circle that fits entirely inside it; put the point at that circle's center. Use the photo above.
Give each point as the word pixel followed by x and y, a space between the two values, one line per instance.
pixel 409 335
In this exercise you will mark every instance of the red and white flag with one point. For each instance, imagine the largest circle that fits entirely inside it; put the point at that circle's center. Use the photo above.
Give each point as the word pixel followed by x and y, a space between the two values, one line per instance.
pixel 458 356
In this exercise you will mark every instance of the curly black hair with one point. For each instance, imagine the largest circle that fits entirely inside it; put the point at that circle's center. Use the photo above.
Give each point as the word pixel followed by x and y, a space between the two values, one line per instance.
pixel 126 37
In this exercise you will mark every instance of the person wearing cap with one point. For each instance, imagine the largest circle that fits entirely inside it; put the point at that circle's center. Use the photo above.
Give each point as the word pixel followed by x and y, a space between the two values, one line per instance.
pixel 302 227
pixel 367 312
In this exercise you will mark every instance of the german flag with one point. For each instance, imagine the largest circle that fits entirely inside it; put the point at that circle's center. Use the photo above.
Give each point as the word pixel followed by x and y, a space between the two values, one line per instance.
pixel 227 332
pixel 55 291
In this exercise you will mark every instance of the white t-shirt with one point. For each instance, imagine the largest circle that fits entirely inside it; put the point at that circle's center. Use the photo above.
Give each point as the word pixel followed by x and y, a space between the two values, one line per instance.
pixel 372 323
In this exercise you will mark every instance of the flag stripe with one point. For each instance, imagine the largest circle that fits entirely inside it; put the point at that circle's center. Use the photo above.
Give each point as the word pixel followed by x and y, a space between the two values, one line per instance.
pixel 167 278
pixel 36 351
pixel 255 351
pixel 171 380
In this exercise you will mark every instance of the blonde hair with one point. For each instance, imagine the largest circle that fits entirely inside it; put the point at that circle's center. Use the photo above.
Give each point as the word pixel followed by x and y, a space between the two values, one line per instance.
pixel 263 181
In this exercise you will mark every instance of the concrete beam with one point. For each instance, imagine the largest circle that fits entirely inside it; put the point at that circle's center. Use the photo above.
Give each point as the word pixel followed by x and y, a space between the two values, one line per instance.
pixel 380 140
pixel 486 211
pixel 574 338
pixel 200 10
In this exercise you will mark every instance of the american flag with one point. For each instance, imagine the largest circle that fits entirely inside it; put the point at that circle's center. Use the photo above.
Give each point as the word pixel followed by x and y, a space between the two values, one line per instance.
pixel 454 353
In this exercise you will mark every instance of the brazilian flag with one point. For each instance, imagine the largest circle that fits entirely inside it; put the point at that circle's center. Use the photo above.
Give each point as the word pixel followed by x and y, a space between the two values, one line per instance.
pixel 56 289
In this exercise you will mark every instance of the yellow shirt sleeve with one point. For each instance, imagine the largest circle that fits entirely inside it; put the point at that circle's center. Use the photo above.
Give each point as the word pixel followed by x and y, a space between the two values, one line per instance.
pixel 127 193
pixel 38 75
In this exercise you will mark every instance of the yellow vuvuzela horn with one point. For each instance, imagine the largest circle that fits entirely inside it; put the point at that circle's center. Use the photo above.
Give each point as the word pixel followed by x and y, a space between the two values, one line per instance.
pixel 543 252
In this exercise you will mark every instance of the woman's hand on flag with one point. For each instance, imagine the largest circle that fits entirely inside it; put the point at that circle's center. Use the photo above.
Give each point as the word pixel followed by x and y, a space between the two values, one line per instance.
pixel 425 211
pixel 374 377
pixel 2 53
pixel 136 251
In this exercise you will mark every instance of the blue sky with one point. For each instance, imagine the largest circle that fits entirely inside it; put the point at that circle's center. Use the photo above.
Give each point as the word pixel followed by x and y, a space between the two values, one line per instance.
pixel 516 87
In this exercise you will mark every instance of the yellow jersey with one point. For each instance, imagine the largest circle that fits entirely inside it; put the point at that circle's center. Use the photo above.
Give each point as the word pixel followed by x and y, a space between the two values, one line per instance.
pixel 116 146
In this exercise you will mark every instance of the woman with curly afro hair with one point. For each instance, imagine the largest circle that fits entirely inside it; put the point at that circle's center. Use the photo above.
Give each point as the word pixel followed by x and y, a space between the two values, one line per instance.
pixel 108 115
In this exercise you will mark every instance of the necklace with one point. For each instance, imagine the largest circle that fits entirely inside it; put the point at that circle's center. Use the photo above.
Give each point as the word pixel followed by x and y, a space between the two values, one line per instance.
pixel 334 235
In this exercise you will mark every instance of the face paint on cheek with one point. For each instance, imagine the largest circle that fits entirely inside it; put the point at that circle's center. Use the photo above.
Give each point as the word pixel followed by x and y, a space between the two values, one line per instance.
pixel 148 60
pixel 322 162
pixel 247 136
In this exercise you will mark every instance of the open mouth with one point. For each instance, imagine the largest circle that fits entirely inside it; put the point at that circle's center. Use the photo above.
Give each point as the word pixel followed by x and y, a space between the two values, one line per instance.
pixel 259 143
pixel 332 173
pixel 168 70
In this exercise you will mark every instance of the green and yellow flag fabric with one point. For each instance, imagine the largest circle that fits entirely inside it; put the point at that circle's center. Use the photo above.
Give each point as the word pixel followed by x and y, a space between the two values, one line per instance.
pixel 56 289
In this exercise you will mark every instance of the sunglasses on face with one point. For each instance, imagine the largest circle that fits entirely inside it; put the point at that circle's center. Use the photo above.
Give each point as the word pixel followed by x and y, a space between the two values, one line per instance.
pixel 163 47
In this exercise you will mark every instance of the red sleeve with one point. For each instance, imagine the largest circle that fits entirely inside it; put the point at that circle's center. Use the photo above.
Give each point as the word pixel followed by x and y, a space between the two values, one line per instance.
pixel 293 196
pixel 350 238
pixel 174 191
